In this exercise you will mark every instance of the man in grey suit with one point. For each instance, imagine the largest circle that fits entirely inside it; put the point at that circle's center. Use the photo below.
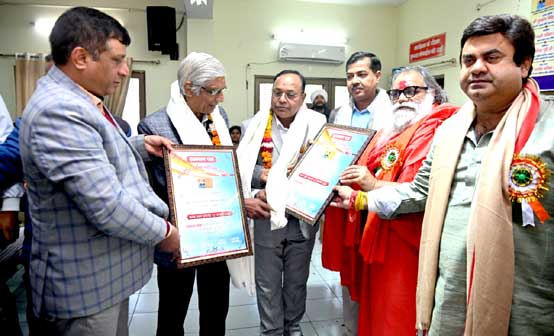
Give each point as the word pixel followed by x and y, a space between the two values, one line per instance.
pixel 95 218
pixel 193 117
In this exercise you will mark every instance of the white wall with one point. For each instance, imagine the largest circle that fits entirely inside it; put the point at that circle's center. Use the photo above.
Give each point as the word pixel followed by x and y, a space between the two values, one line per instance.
pixel 241 30
pixel 240 33
pixel 419 19
pixel 17 35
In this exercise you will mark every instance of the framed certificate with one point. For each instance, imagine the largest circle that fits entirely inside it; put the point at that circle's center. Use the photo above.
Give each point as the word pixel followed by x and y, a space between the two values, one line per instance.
pixel 312 180
pixel 207 205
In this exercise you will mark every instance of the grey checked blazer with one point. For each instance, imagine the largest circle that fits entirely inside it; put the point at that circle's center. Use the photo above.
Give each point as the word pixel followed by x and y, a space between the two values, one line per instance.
pixel 95 218
pixel 159 123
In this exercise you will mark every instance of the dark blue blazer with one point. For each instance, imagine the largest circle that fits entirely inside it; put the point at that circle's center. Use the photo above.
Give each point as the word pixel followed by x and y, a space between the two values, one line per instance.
pixel 11 171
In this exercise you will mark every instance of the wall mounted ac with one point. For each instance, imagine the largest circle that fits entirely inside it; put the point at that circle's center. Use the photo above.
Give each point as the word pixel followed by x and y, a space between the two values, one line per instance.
pixel 296 52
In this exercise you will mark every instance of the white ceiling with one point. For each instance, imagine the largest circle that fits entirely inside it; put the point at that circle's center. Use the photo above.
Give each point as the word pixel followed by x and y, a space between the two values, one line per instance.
pixel 360 2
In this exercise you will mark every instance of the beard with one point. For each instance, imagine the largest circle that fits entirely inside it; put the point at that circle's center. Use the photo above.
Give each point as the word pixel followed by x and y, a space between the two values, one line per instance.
pixel 405 115
pixel 408 113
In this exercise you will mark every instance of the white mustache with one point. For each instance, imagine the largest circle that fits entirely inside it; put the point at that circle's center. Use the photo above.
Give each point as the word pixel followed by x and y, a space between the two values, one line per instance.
pixel 407 105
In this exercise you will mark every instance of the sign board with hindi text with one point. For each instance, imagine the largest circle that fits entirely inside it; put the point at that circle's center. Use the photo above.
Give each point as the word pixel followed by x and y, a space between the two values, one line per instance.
pixel 430 47
pixel 542 19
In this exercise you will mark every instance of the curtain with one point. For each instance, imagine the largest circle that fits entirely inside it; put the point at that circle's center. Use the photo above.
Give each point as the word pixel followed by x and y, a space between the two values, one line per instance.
pixel 27 71
pixel 116 101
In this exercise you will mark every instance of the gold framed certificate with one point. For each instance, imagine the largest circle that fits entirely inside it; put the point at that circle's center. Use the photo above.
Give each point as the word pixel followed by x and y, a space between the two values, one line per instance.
pixel 206 202
pixel 312 180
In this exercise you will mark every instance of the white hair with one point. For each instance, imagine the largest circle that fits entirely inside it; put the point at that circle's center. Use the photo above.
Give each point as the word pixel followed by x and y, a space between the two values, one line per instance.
pixel 439 94
pixel 198 68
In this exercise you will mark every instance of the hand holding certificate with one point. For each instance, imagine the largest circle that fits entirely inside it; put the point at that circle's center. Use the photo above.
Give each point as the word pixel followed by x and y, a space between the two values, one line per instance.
pixel 334 149
pixel 206 203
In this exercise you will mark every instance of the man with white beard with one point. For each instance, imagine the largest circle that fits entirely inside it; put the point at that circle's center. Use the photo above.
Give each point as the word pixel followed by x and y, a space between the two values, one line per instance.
pixel 380 256
pixel 411 99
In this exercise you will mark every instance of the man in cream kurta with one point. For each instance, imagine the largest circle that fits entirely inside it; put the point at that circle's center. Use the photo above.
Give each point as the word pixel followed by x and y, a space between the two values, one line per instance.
pixel 283 245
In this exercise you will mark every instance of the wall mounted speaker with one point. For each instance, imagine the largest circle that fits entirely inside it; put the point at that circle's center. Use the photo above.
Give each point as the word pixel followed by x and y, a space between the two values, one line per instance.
pixel 160 21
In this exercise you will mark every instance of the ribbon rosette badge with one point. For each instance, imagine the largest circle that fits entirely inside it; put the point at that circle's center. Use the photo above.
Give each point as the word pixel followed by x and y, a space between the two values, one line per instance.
pixel 390 158
pixel 528 180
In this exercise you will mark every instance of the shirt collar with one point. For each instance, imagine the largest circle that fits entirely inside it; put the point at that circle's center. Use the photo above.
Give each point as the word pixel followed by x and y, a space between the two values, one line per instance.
pixel 470 135
pixel 95 100
pixel 356 110
pixel 204 118
pixel 369 107
pixel 279 125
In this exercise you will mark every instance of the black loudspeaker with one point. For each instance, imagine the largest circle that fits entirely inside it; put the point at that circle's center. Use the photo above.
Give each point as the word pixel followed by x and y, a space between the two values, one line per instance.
pixel 162 35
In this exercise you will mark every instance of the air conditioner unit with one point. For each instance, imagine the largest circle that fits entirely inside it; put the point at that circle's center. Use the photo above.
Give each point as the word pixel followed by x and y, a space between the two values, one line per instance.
pixel 296 52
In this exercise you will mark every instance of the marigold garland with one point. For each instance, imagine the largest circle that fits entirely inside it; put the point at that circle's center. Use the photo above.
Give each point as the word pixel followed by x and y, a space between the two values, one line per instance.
pixel 212 132
pixel 266 149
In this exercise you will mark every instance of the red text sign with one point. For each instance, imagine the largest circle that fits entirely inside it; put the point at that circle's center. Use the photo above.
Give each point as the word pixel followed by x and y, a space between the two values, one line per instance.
pixel 427 48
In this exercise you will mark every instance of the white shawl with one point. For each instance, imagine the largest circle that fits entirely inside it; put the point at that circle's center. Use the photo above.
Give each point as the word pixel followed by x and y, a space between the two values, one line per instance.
pixel 190 129
pixel 192 132
pixel 305 126
pixel 381 107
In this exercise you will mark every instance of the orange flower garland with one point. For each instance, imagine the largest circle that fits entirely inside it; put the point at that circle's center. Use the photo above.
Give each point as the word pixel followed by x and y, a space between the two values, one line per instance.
pixel 266 149
pixel 212 132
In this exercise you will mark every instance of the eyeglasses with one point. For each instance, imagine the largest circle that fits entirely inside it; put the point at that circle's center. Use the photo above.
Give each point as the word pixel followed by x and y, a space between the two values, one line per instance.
pixel 213 92
pixel 408 91
pixel 290 95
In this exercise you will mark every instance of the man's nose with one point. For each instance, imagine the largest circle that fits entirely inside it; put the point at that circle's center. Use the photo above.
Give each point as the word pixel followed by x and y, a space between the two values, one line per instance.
pixel 479 66
pixel 402 98
pixel 220 97
pixel 124 69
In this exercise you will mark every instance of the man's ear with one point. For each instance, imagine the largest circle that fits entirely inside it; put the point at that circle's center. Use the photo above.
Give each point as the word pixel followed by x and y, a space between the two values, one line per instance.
pixel 79 57
pixel 378 74
pixel 188 88
pixel 526 67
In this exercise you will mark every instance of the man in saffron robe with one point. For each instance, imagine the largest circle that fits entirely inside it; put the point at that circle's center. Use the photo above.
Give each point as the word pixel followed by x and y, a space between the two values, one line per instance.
pixel 379 257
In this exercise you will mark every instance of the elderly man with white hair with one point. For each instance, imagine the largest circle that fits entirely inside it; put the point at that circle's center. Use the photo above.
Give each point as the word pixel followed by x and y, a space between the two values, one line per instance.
pixel 192 116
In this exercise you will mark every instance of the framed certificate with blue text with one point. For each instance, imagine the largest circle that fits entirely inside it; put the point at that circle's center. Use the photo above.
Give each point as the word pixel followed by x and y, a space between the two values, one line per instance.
pixel 206 203
pixel 312 180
